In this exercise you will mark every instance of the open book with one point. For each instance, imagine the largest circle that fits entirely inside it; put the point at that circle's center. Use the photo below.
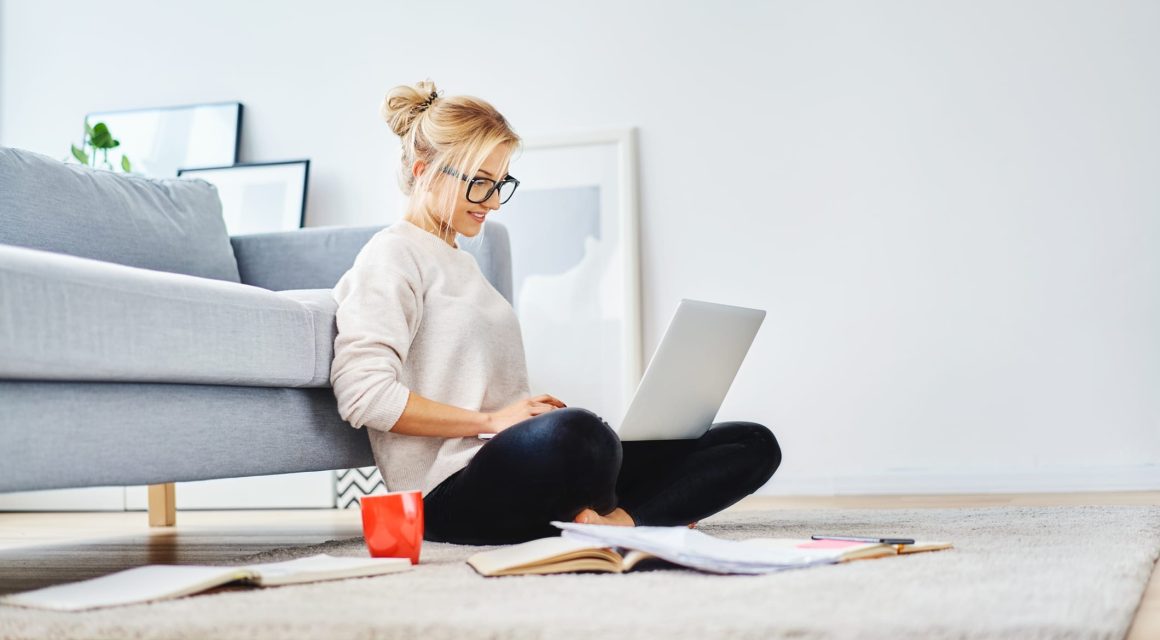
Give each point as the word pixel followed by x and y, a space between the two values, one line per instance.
pixel 161 581
pixel 607 548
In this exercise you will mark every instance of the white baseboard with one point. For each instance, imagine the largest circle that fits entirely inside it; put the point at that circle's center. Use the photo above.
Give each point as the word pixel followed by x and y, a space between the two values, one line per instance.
pixel 919 481
pixel 80 499
pixel 209 494
pixel 308 490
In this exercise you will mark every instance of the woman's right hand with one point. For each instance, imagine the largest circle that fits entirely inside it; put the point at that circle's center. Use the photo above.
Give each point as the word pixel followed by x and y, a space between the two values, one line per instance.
pixel 519 411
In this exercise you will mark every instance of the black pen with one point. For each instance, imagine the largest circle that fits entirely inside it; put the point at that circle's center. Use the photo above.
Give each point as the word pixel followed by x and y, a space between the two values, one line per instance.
pixel 864 539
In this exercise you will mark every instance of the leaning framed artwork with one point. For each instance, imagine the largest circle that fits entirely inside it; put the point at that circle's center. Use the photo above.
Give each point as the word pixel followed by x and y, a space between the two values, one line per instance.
pixel 258 197
pixel 158 140
pixel 574 229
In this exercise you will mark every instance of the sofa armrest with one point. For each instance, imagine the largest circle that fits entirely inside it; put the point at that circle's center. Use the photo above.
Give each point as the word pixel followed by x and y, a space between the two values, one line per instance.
pixel 308 258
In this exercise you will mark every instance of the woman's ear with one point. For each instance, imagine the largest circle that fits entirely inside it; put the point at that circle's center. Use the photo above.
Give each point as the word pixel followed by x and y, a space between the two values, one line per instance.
pixel 418 167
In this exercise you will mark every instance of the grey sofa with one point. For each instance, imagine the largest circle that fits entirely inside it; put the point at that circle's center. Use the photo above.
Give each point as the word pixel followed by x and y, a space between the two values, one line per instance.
pixel 142 345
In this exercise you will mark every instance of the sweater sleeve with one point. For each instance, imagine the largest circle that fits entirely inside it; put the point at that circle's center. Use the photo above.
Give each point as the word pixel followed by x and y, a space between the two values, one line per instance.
pixel 379 308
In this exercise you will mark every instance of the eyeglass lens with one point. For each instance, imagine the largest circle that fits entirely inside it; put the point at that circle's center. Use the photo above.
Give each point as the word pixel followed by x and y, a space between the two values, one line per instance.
pixel 478 190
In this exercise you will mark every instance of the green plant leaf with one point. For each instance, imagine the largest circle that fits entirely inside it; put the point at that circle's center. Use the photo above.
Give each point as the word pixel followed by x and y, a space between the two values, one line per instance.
pixel 125 164
pixel 80 155
pixel 88 129
pixel 102 139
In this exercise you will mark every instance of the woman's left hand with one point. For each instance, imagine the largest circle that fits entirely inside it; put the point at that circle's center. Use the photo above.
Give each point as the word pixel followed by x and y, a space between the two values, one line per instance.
pixel 552 400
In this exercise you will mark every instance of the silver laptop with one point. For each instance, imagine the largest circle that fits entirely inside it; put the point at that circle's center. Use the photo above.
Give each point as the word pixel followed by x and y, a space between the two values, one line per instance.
pixel 691 371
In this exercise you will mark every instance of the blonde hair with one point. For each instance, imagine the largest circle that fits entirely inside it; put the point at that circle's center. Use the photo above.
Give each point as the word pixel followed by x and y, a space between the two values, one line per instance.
pixel 457 132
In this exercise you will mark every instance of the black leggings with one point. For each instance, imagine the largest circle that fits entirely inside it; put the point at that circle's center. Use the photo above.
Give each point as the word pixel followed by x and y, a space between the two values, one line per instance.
pixel 556 464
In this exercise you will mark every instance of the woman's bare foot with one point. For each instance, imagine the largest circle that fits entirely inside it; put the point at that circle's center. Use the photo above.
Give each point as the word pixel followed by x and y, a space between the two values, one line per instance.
pixel 617 517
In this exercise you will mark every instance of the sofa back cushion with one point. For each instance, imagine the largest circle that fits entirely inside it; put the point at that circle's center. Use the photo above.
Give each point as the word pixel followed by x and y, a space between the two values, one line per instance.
pixel 166 224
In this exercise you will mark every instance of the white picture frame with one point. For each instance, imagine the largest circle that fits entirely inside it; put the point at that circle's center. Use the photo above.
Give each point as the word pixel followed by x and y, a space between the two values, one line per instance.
pixel 578 302
pixel 258 197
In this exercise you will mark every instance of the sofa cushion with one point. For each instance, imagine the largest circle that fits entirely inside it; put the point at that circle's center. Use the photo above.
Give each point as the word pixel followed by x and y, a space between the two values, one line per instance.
pixel 64 317
pixel 168 224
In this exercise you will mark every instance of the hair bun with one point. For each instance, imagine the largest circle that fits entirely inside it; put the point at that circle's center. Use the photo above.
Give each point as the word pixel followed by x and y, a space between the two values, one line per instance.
pixel 403 105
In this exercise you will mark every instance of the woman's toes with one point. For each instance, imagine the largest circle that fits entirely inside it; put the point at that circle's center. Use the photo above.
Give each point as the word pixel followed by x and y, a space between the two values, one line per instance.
pixel 585 516
pixel 617 517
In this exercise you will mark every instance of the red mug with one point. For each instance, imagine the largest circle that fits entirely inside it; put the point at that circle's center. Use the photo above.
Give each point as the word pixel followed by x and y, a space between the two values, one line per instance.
pixel 393 524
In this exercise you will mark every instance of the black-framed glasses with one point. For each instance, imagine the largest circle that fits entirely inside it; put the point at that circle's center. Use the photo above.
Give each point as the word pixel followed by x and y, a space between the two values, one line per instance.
pixel 480 189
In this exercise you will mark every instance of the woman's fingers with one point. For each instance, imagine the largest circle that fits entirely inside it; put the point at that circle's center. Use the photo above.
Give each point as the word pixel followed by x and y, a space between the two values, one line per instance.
pixel 552 400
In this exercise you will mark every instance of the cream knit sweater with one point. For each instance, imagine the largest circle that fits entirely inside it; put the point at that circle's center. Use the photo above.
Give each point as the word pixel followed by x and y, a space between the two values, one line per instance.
pixel 416 314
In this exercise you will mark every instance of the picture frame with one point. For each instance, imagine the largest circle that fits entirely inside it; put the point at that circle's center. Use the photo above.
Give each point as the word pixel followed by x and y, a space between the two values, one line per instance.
pixel 159 140
pixel 258 197
pixel 574 231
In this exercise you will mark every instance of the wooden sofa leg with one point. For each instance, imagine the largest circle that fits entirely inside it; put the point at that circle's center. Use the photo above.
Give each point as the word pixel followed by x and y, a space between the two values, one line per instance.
pixel 162 507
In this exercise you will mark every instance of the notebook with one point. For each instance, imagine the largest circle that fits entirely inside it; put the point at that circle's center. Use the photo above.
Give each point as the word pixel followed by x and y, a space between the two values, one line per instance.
pixel 612 549
pixel 161 581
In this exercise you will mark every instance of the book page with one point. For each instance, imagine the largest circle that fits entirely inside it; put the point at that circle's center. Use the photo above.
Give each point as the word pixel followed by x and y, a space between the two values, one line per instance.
pixel 159 581
pixel 842 550
pixel 697 550
pixel 543 551
pixel 140 584
pixel 922 545
pixel 646 560
pixel 323 567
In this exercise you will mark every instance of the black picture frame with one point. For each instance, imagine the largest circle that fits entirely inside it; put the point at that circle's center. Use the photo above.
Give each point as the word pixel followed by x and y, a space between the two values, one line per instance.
pixel 120 122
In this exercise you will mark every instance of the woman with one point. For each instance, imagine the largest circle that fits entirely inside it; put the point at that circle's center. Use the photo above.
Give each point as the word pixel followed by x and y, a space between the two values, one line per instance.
pixel 429 355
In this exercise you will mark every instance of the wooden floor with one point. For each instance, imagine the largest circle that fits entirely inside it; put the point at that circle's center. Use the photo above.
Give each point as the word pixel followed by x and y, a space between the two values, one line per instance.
pixel 41 549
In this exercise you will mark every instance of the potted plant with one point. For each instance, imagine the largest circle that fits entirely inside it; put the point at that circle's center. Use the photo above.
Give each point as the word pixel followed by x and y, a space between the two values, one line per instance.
pixel 98 138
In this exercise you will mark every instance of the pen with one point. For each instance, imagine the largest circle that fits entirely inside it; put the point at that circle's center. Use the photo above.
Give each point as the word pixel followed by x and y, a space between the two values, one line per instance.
pixel 865 539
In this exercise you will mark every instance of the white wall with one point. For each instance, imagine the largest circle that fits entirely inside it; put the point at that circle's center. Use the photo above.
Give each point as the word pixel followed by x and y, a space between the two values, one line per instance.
pixel 950 210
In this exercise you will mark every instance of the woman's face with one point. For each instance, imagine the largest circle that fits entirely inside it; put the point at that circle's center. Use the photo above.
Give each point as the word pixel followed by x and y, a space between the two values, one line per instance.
pixel 468 217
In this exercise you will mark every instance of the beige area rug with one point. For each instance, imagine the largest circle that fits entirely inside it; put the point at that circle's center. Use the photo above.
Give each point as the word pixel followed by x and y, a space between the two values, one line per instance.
pixel 1059 572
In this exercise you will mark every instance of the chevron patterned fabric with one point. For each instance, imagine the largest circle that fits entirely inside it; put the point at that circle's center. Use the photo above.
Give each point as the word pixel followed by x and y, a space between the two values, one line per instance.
pixel 352 483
